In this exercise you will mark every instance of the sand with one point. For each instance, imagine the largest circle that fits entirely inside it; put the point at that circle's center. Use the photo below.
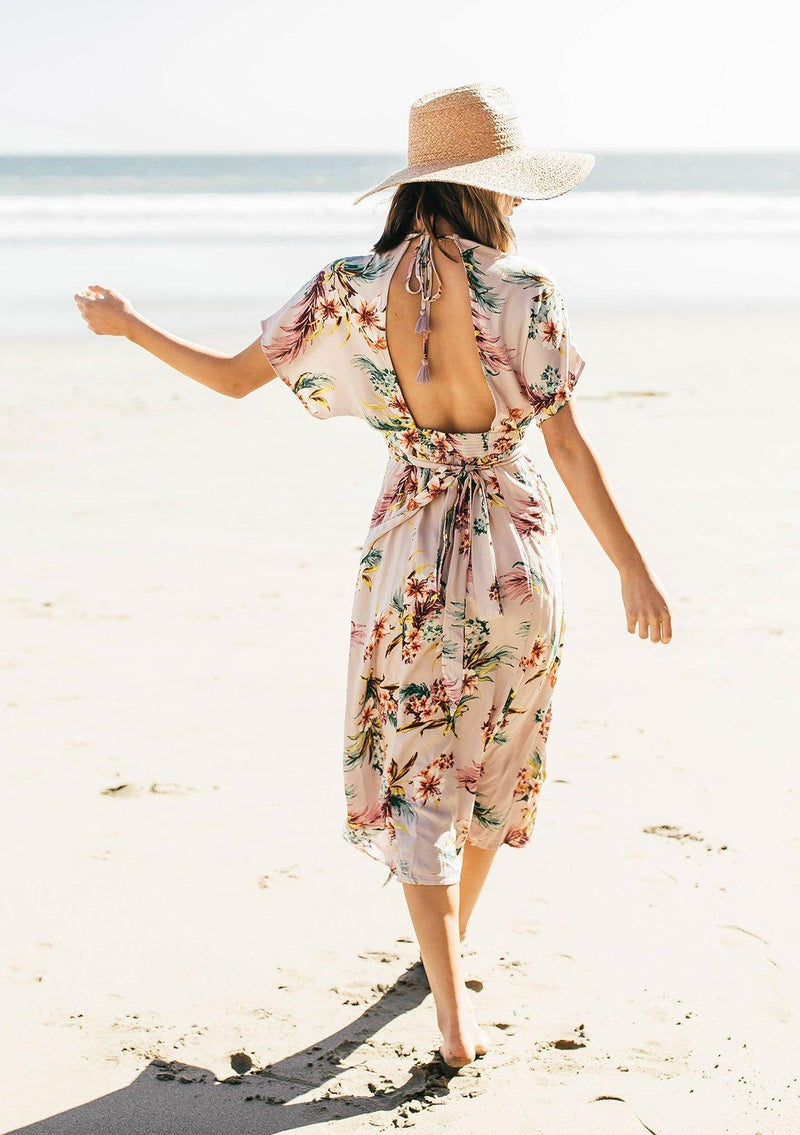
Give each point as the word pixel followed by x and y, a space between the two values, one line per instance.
pixel 190 945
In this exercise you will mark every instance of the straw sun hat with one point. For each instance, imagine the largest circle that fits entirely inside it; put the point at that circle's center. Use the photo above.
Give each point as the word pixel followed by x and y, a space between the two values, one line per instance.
pixel 471 135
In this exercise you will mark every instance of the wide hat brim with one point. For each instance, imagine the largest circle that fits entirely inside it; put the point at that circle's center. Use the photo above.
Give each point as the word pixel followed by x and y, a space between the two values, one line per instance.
pixel 533 175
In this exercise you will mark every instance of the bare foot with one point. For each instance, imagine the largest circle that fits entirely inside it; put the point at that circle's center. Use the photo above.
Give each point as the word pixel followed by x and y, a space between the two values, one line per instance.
pixel 463 1039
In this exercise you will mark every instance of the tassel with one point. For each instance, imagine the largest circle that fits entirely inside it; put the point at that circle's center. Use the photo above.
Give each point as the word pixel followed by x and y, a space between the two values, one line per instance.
pixel 422 263
pixel 423 374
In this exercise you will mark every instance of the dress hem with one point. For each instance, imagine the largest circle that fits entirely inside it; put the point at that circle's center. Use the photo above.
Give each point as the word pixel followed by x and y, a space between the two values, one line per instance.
pixel 374 852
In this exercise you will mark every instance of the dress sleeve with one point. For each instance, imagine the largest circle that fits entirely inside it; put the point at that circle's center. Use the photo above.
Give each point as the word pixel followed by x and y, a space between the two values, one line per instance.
pixel 551 363
pixel 304 341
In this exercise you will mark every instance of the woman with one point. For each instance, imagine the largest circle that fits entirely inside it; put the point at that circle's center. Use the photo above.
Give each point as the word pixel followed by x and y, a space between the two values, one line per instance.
pixel 451 345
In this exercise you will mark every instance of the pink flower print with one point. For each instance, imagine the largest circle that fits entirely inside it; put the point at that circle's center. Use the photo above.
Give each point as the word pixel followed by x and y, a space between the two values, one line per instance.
pixel 439 694
pixel 396 404
pixel 368 714
pixel 436 488
pixel 327 308
pixel 529 519
pixel 517 838
pixel 442 448
pixel 504 443
pixel 387 704
pixel 470 683
pixel 551 332
pixel 411 645
pixel 378 631
pixel 416 588
pixel 367 315
pixel 462 832
pixel 428 785
pixel 369 817
pixel 419 708
pixel 492 484
pixel 516 583
pixel 468 777
pixel 536 655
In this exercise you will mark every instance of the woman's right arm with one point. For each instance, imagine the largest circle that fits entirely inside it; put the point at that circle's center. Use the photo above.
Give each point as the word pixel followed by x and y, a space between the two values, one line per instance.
pixel 108 313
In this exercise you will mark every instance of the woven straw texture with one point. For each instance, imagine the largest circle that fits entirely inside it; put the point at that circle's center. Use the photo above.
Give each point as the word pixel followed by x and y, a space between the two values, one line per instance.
pixel 471 135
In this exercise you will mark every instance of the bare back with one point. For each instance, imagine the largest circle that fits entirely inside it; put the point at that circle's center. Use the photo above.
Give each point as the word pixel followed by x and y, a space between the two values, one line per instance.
pixel 458 398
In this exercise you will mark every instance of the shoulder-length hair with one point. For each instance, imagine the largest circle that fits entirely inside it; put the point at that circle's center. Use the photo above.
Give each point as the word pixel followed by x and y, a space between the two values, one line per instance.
pixel 473 213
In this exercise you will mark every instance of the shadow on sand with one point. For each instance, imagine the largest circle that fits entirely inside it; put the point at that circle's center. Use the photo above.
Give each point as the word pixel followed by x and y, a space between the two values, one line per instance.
pixel 174 1097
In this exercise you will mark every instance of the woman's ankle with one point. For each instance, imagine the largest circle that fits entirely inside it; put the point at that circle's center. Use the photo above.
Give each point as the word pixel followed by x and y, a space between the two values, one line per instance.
pixel 454 1017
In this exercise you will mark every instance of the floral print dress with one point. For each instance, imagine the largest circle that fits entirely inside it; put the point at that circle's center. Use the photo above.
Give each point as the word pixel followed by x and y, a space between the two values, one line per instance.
pixel 457 620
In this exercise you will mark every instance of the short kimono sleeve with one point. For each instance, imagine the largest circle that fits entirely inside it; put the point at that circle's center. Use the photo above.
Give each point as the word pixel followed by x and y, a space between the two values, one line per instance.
pixel 551 362
pixel 307 351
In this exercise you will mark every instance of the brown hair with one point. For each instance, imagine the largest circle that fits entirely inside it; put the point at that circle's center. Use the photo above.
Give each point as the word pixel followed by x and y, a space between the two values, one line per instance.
pixel 473 213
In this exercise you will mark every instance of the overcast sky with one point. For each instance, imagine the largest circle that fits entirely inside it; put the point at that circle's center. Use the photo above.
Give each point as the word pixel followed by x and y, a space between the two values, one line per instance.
pixel 166 75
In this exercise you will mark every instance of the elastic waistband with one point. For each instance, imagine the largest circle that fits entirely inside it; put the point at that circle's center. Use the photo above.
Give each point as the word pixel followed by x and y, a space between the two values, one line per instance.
pixel 457 463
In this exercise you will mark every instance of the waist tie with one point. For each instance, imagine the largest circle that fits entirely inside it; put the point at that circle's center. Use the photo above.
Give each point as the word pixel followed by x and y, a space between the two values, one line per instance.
pixel 466 562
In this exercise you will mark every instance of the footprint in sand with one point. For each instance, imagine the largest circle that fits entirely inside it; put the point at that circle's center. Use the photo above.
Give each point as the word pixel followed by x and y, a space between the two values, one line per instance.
pixel 279 876
pixel 379 956
pixel 670 831
pixel 351 997
pixel 160 789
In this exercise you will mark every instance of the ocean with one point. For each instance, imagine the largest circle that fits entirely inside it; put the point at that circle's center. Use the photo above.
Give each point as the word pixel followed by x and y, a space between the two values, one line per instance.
pixel 214 242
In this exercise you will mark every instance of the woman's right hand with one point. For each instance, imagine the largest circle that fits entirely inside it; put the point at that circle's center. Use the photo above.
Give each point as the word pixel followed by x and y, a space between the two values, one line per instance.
pixel 105 311
pixel 646 604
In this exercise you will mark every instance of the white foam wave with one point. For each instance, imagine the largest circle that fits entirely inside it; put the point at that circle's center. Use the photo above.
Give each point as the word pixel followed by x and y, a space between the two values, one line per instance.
pixel 310 216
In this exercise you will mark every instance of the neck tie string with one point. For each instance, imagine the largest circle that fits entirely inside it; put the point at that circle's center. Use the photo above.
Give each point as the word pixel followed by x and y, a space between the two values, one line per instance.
pixel 422 264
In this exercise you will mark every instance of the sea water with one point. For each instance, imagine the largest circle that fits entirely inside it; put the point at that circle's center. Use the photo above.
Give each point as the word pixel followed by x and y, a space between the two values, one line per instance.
pixel 209 244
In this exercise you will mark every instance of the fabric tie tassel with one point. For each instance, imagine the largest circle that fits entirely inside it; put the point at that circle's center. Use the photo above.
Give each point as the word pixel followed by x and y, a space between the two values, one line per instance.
pixel 423 374
pixel 422 264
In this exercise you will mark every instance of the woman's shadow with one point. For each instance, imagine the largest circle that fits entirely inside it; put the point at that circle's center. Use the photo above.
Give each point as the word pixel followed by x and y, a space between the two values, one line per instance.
pixel 175 1097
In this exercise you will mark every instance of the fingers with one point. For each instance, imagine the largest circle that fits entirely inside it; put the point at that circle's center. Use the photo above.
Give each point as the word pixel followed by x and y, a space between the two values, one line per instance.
pixel 656 626
pixel 94 291
pixel 82 300
pixel 666 627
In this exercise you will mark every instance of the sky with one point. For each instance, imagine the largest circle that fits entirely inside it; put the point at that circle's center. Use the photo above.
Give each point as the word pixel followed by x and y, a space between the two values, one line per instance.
pixel 244 76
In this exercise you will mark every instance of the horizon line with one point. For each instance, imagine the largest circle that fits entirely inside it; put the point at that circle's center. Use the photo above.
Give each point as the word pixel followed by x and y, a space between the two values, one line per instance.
pixel 361 153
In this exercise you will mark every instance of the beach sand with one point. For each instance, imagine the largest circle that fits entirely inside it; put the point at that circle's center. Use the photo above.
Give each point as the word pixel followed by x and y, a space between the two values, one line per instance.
pixel 189 945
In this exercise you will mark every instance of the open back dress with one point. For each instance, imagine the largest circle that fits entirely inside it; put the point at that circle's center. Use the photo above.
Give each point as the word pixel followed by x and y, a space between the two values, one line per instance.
pixel 458 618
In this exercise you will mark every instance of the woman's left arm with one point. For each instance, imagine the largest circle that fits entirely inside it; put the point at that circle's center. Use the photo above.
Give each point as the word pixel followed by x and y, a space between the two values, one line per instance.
pixel 643 594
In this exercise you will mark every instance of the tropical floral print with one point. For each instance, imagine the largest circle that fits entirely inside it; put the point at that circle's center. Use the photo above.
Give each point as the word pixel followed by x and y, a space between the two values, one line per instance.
pixel 457 625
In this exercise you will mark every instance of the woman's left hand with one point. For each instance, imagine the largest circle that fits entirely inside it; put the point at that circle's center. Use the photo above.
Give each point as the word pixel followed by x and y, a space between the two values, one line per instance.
pixel 646 605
